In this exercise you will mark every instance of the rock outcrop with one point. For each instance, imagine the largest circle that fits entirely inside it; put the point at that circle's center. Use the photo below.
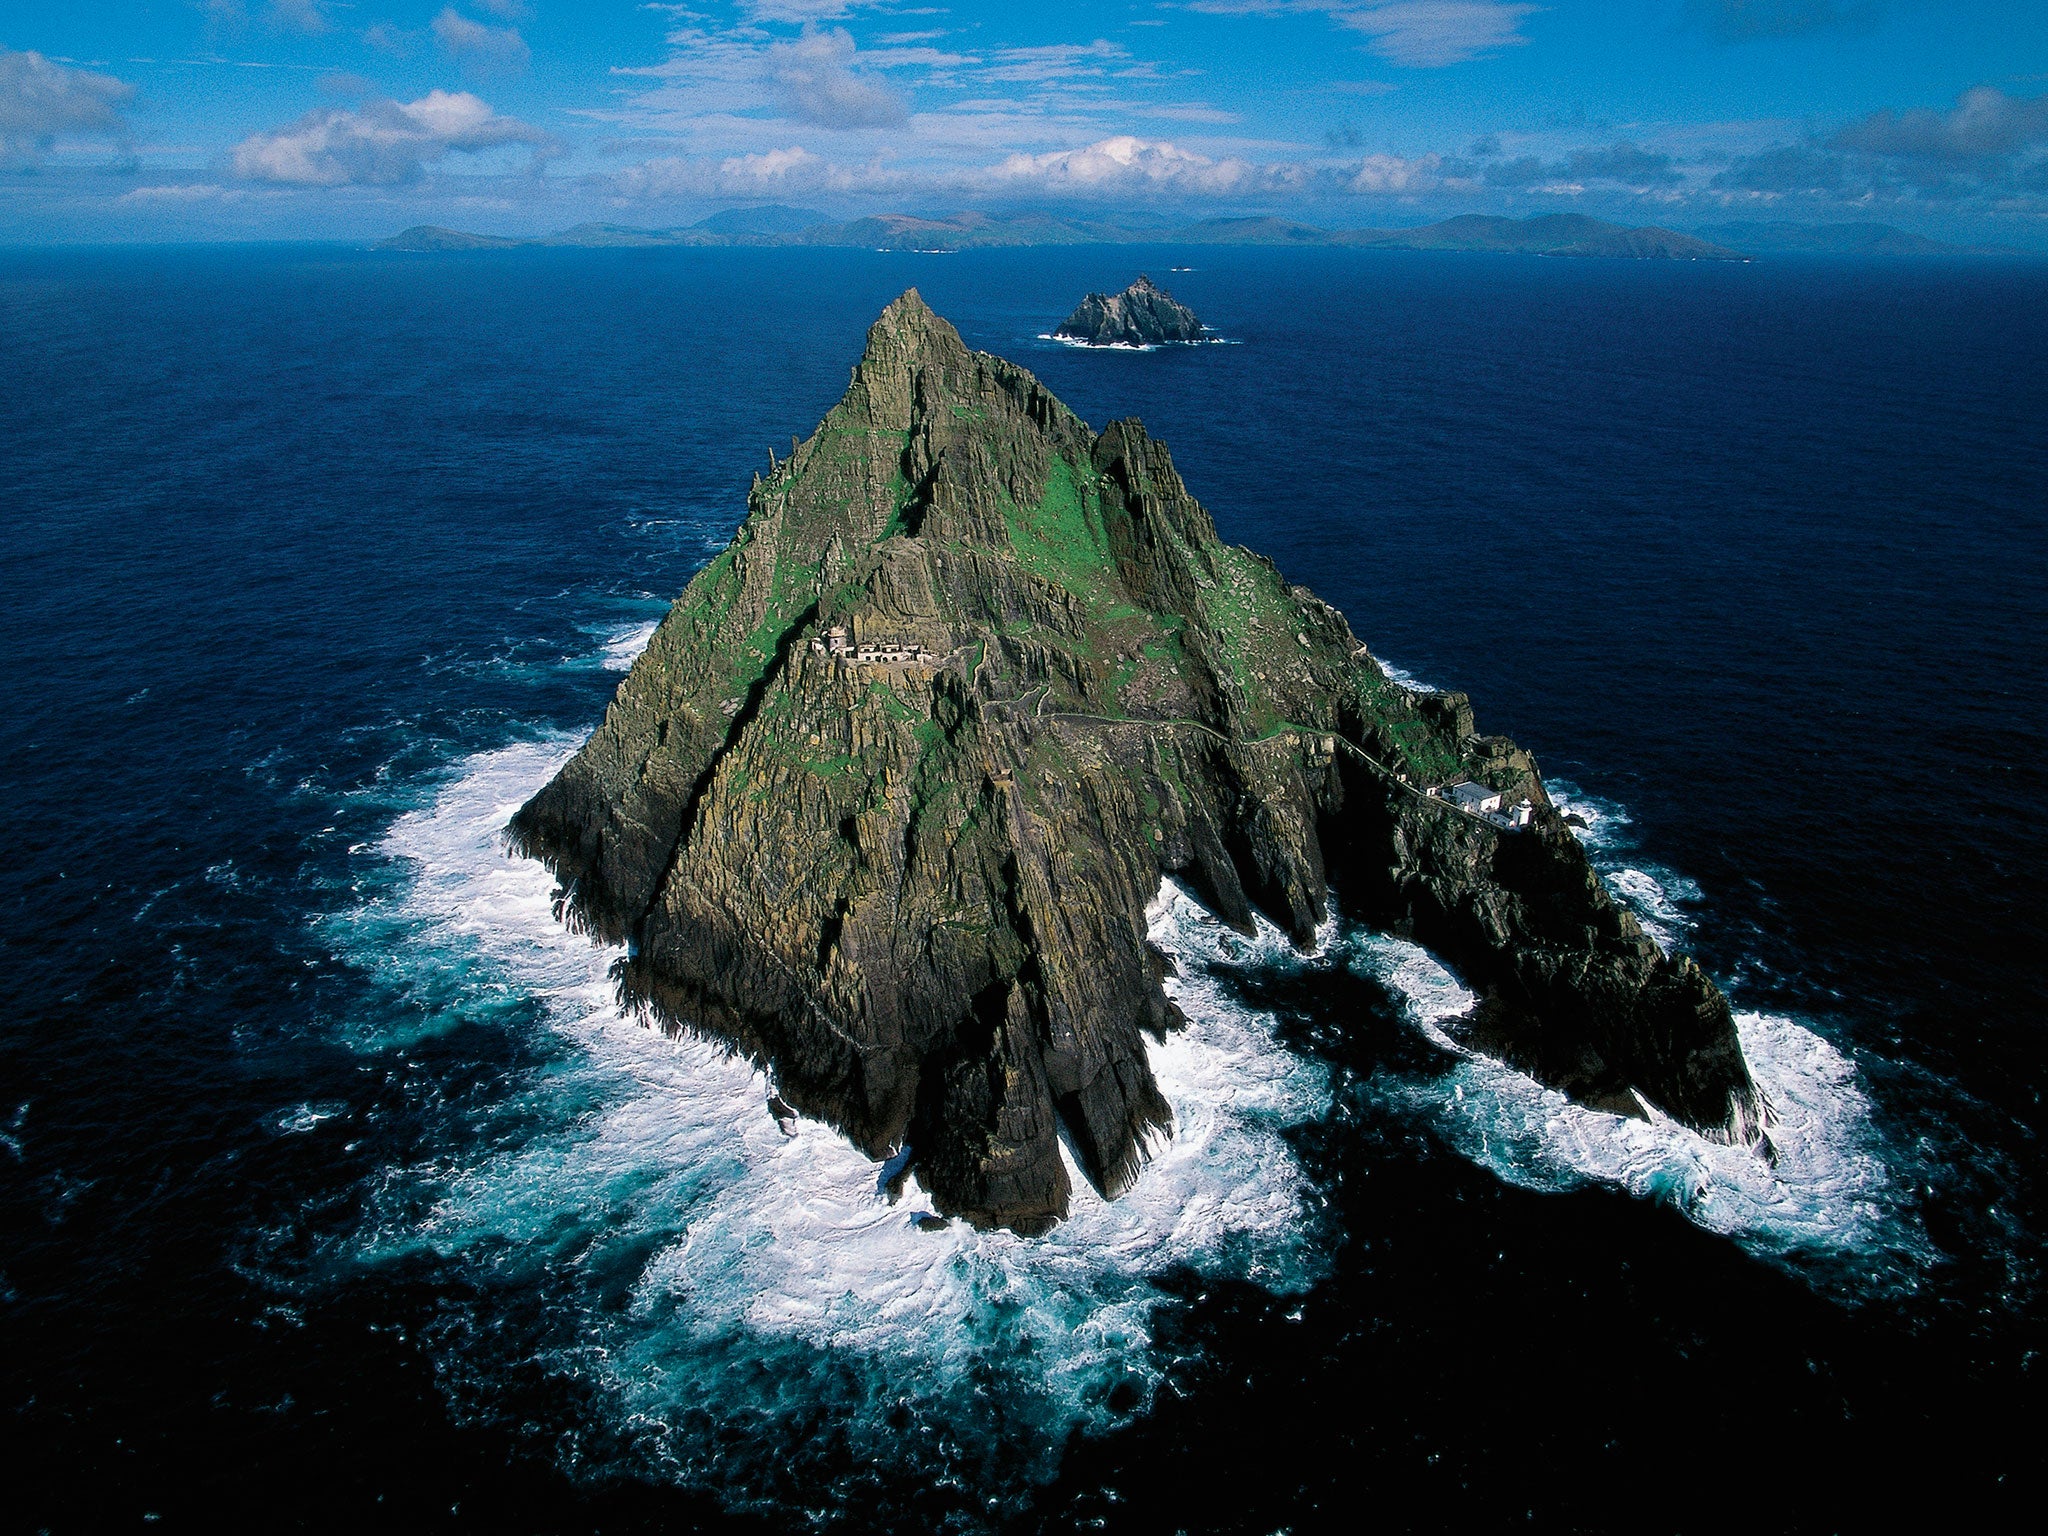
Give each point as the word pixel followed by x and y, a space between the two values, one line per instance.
pixel 886 798
pixel 1140 316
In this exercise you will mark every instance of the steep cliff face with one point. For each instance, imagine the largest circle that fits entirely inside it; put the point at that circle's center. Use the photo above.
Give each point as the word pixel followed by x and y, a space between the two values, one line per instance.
pixel 1141 316
pixel 885 799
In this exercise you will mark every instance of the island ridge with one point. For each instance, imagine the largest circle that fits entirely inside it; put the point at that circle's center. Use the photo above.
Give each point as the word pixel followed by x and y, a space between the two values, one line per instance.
pixel 1141 316
pixel 885 799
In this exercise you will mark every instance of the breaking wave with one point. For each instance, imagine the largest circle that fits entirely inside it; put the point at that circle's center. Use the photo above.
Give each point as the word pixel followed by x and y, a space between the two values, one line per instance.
pixel 738 1305
pixel 1830 1200
pixel 1137 346
pixel 1827 1200
pixel 623 648
pixel 1662 900
pixel 1402 677
pixel 705 1271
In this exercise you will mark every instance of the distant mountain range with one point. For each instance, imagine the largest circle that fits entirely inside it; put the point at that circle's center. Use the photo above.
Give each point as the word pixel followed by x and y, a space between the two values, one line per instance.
pixel 1562 234
pixel 1837 239
pixel 1554 234
pixel 1551 234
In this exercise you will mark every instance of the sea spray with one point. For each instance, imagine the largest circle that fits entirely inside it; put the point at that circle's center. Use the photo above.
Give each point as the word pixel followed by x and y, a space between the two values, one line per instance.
pixel 622 647
pixel 1824 1199
pixel 697 1265
pixel 1403 677
pixel 704 1264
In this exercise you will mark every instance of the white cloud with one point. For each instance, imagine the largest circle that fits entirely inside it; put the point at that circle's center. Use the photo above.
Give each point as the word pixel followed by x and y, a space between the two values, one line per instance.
pixel 480 48
pixel 789 172
pixel 42 102
pixel 816 82
pixel 297 15
pixel 1983 150
pixel 737 105
pixel 939 59
pixel 380 143
pixel 1421 34
pixel 1129 166
pixel 1126 164
pixel 726 90
pixel 1186 112
pixel 721 89
pixel 1056 61
pixel 392 39
pixel 1121 167
pixel 1383 174
pixel 1427 34
pixel 1985 124
pixel 799 10
pixel 179 195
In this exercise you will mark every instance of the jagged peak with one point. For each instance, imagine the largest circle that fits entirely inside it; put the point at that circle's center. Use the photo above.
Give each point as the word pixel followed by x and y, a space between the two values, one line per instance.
pixel 914 359
pixel 908 303
pixel 910 327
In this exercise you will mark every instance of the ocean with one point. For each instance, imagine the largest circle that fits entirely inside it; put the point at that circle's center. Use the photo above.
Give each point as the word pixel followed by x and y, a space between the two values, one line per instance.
pixel 334 1192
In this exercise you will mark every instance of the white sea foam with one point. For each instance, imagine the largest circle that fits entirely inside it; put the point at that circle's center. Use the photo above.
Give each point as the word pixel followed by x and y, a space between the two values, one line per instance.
pixel 703 1269
pixel 1402 677
pixel 1657 896
pixel 1599 824
pixel 747 1243
pixel 623 648
pixel 1654 896
pixel 1137 346
pixel 301 1118
pixel 1827 1191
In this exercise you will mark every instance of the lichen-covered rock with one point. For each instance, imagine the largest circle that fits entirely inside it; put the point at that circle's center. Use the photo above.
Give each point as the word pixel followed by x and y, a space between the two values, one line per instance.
pixel 1140 316
pixel 914 887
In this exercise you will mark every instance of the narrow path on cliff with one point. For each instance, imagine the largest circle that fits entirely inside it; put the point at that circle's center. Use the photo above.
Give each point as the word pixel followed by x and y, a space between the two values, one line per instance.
pixel 1288 730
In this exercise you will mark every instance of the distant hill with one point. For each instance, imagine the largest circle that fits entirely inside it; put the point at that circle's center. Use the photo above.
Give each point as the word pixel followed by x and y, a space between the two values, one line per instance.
pixel 607 234
pixel 771 219
pixel 431 237
pixel 1550 234
pixel 961 232
pixel 1557 234
pixel 1258 231
pixel 1833 239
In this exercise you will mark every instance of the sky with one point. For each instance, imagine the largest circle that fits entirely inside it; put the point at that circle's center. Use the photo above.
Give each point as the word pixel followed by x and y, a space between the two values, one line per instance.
pixel 345 119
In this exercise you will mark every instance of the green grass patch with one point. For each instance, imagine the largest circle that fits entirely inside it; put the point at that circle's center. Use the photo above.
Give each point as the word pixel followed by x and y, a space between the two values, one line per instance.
pixel 885 696
pixel 1060 540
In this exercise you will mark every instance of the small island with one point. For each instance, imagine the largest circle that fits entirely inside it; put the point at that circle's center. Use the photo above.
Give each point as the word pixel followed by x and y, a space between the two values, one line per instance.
pixel 1143 315
pixel 886 798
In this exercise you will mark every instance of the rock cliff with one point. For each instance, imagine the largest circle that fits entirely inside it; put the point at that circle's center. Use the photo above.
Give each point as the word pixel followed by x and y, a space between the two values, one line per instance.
pixel 885 799
pixel 1140 316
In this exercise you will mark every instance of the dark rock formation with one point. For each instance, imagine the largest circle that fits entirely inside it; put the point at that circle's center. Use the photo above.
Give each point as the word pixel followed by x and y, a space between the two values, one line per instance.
pixel 1140 316
pixel 915 888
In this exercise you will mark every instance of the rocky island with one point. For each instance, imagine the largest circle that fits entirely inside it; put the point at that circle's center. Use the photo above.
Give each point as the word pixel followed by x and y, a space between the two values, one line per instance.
pixel 885 799
pixel 1141 316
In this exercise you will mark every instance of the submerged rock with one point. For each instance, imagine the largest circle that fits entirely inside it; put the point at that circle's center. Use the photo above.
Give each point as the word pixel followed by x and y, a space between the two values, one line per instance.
pixel 885 799
pixel 1140 316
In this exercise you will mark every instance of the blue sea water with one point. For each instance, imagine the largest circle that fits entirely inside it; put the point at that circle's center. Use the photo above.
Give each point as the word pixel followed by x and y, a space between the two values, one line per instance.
pixel 333 1191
